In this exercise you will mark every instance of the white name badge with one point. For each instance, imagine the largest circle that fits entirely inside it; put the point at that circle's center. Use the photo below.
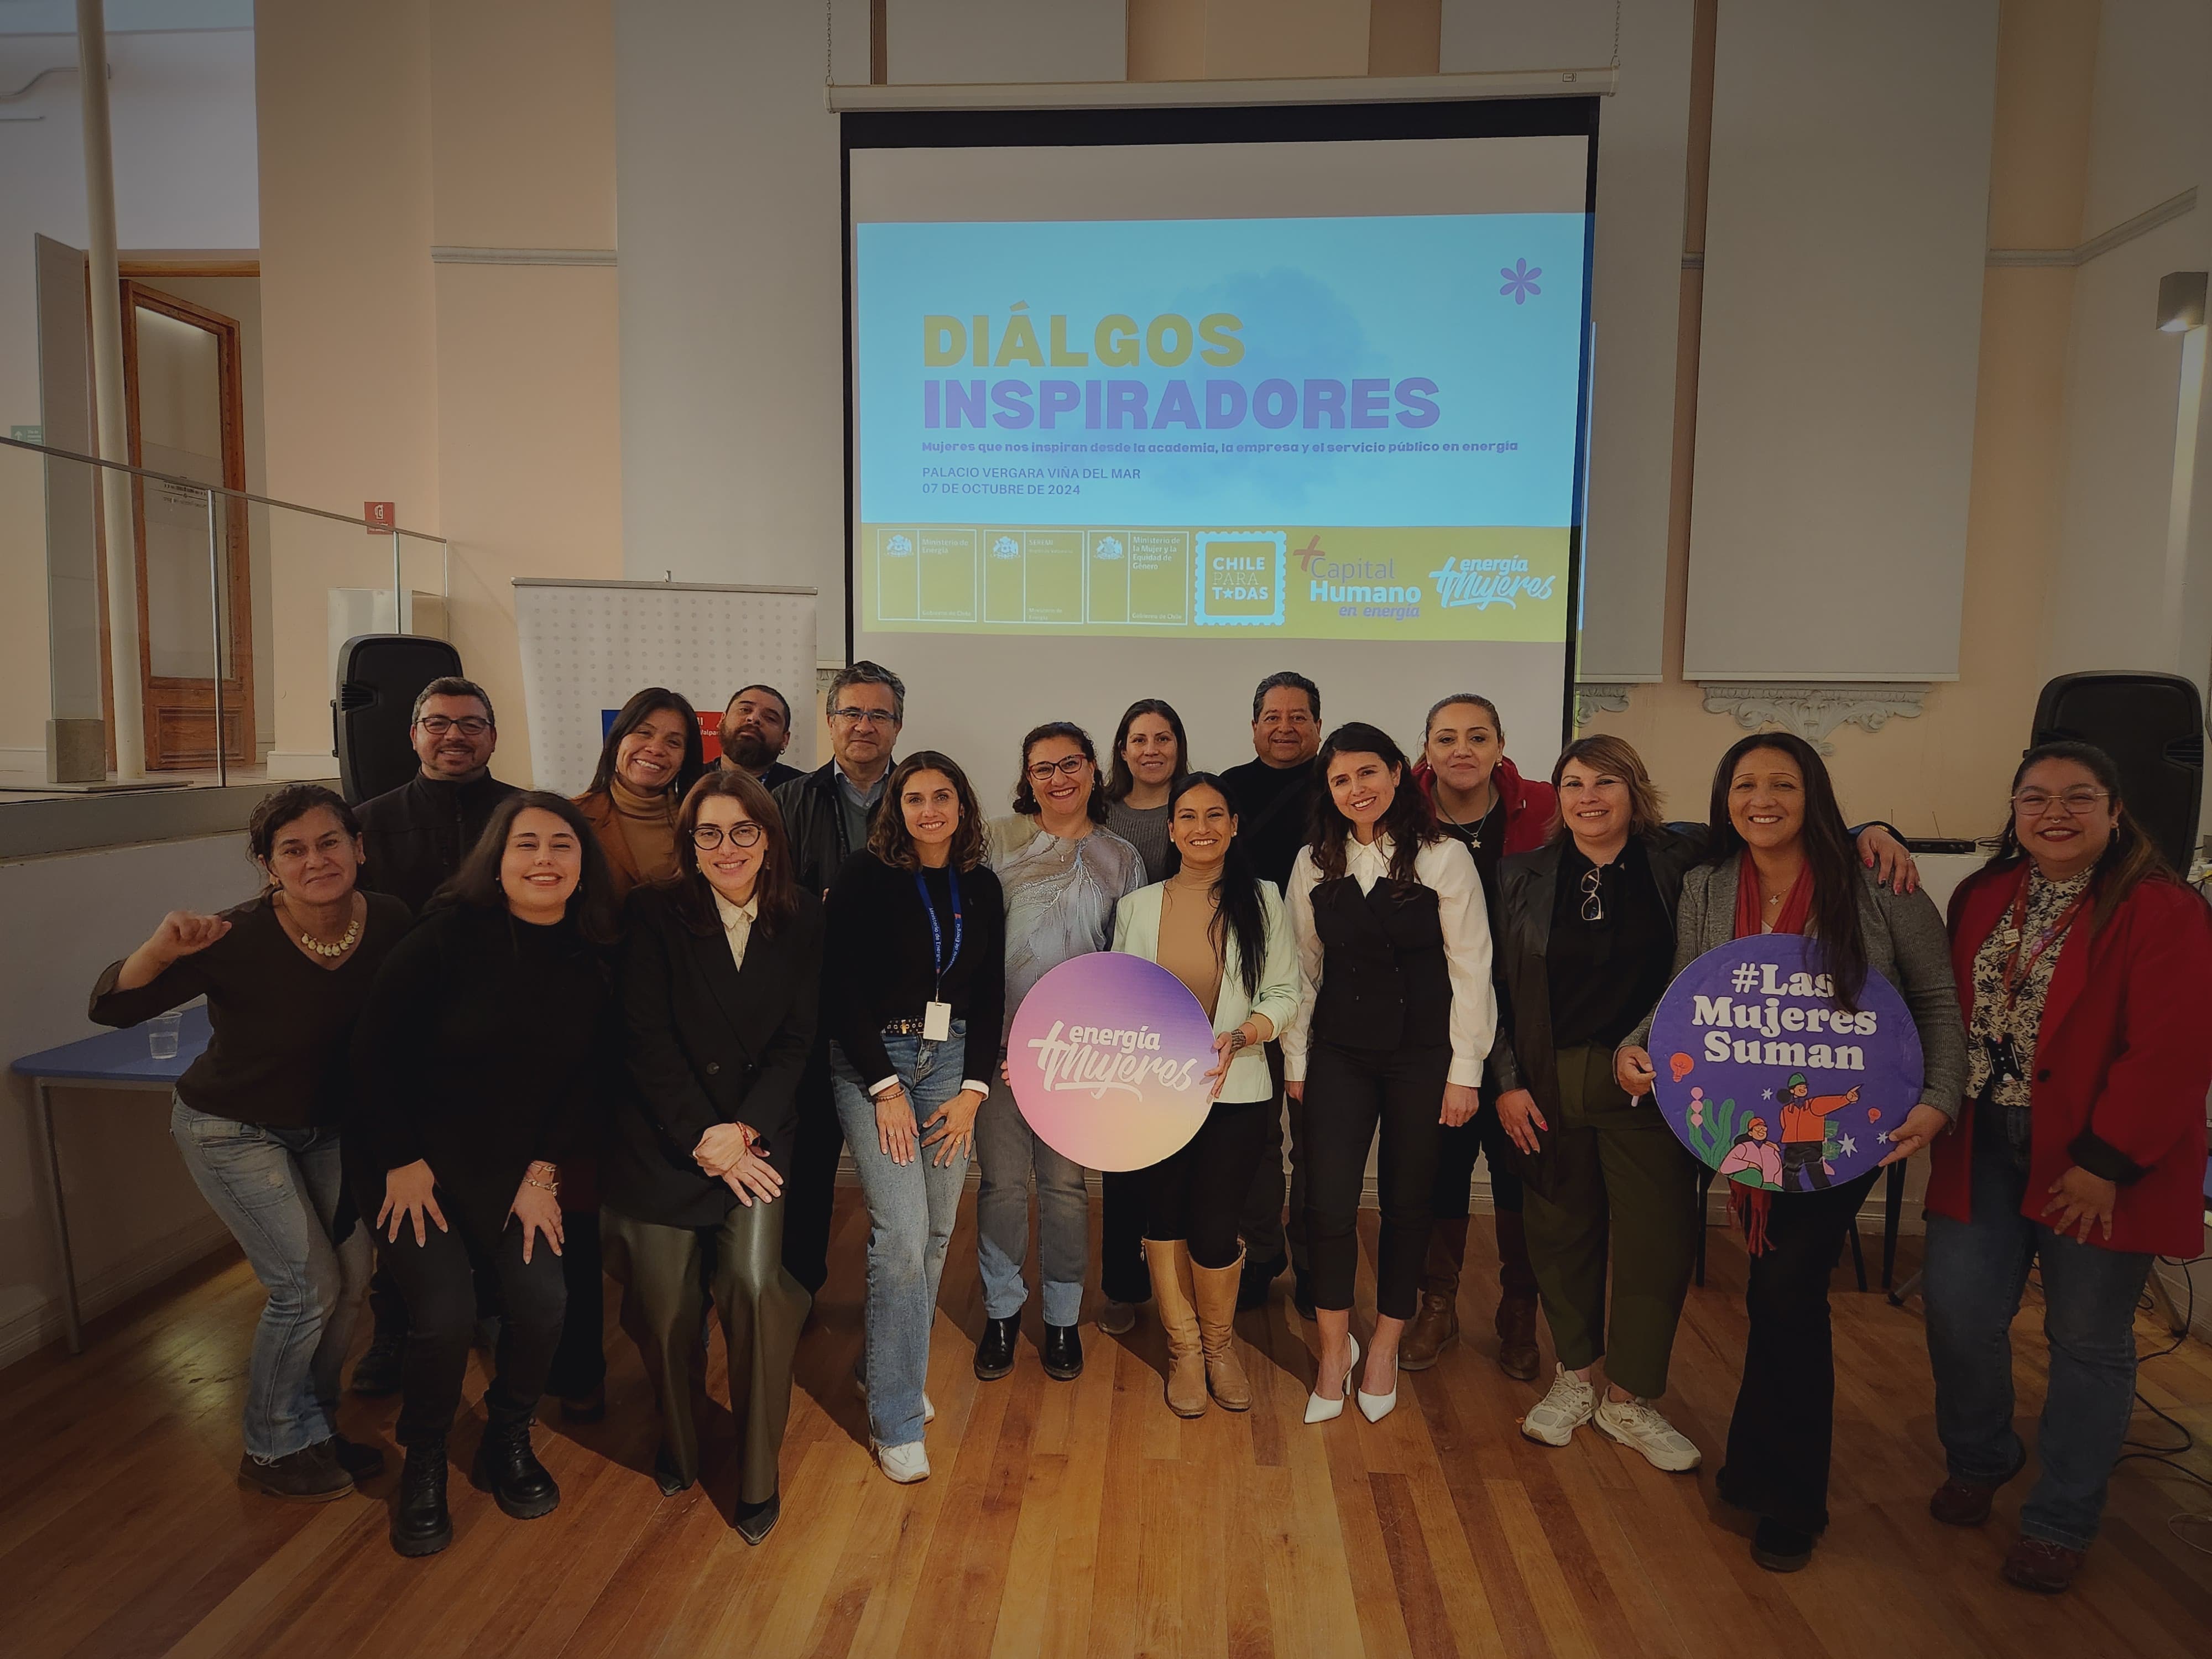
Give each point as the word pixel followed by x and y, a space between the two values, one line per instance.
pixel 937 1022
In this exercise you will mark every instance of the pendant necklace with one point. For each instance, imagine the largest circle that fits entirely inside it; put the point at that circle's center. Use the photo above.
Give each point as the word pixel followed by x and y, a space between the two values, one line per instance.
pixel 337 948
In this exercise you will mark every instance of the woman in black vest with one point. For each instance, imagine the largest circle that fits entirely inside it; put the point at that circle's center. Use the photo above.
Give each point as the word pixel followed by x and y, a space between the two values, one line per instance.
pixel 722 971
pixel 1396 1013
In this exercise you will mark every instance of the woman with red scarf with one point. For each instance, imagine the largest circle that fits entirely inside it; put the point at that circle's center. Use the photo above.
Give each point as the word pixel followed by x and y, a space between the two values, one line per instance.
pixel 1482 801
pixel 2082 963
pixel 1781 861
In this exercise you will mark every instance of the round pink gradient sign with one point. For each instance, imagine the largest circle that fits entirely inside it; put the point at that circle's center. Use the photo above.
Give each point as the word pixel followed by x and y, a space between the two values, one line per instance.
pixel 1107 1057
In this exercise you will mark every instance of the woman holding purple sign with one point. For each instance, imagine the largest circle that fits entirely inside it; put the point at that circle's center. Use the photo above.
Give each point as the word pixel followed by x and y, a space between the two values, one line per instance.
pixel 1781 861
pixel 1222 931
pixel 1395 1015
pixel 913 983
pixel 2082 963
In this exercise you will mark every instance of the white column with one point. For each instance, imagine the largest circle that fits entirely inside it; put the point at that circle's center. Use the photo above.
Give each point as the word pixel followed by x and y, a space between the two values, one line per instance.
pixel 107 392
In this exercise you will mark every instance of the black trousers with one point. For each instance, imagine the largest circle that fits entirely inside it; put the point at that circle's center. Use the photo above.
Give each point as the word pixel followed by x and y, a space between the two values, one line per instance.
pixel 1784 1425
pixel 438 1281
pixel 811 1189
pixel 1123 1208
pixel 579 1363
pixel 1482 1135
pixel 1268 1232
pixel 1195 1194
pixel 1349 1093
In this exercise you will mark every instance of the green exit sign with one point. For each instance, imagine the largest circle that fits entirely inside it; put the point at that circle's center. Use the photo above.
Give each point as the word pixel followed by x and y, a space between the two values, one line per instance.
pixel 27 435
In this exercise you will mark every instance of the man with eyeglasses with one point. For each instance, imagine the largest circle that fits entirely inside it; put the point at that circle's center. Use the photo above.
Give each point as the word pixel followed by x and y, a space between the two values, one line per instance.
pixel 415 836
pixel 826 815
pixel 756 731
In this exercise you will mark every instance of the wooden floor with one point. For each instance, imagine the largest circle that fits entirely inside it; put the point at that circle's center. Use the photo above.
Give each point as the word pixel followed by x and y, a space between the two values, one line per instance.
pixel 1062 1518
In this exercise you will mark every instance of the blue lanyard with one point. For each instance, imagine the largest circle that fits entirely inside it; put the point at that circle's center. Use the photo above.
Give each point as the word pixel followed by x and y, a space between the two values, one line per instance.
pixel 936 932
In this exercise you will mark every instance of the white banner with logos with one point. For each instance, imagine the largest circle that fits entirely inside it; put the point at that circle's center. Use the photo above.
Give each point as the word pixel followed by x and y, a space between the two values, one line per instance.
pixel 587 647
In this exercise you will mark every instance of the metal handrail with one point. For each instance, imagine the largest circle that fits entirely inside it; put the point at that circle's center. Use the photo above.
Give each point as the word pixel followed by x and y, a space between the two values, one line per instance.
pixel 219 489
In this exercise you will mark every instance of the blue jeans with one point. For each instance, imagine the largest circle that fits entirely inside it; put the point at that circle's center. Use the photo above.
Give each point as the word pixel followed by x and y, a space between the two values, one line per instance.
pixel 910 1212
pixel 1009 1152
pixel 277 1191
pixel 1975 1272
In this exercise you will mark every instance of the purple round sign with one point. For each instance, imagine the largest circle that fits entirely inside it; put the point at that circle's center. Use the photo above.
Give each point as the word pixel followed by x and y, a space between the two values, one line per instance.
pixel 1107 1057
pixel 1770 1080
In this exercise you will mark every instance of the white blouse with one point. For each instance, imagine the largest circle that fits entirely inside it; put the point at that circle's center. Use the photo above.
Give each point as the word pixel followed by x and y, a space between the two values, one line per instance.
pixel 1446 868
pixel 736 924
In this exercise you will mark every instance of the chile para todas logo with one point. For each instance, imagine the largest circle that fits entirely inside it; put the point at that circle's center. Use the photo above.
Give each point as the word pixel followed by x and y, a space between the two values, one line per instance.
pixel 1768 1079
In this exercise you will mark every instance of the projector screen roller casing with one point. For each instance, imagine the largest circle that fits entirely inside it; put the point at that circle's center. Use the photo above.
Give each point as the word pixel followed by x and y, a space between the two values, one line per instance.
pixel 1159 404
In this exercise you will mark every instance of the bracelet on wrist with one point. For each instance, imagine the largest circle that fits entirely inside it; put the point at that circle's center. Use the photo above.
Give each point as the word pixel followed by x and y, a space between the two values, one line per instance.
pixel 553 1186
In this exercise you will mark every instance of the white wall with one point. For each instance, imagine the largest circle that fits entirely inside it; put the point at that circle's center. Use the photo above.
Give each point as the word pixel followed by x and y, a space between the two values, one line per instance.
pixel 134 1216
pixel 936 42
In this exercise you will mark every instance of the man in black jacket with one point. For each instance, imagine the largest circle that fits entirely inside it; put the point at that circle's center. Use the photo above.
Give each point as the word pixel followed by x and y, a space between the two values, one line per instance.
pixel 756 731
pixel 826 815
pixel 417 834
pixel 416 837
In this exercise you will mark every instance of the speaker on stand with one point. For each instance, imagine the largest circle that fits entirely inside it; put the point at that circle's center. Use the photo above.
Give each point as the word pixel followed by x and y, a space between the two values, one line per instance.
pixel 380 675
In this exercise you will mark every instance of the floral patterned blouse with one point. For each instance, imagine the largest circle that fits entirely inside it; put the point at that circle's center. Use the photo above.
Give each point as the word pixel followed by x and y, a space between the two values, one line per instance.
pixel 1993 1022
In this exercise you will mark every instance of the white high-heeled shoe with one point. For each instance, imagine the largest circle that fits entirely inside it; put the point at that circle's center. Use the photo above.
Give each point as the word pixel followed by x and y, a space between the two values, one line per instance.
pixel 1376 1406
pixel 1319 1410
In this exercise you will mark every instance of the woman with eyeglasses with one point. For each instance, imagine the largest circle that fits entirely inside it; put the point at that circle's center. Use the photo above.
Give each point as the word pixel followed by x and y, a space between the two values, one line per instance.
pixel 485 1056
pixel 2082 962
pixel 1062 872
pixel 1781 861
pixel 652 756
pixel 1395 1017
pixel 1214 925
pixel 1151 757
pixel 914 985
pixel 720 976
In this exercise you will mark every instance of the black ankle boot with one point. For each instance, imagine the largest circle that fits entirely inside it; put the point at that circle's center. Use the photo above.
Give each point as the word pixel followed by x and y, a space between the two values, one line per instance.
pixel 995 1354
pixel 420 1523
pixel 1780 1548
pixel 507 1469
pixel 1063 1353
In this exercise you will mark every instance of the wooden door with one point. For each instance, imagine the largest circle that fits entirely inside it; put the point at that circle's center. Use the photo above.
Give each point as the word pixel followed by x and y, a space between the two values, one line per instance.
pixel 186 412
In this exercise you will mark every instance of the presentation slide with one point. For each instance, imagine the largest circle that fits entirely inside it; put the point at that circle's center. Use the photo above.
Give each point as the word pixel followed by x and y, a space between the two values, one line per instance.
pixel 1124 422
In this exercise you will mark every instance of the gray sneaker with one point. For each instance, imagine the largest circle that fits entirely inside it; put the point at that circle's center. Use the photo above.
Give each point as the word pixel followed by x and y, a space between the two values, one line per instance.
pixel 1561 1412
pixel 1638 1423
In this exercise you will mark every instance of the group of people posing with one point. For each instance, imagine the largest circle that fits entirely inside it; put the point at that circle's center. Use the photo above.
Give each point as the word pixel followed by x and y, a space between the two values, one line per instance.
pixel 498 1045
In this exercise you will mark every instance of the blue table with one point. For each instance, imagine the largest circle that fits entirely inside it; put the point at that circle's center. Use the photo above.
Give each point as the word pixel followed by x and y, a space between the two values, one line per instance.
pixel 113 1060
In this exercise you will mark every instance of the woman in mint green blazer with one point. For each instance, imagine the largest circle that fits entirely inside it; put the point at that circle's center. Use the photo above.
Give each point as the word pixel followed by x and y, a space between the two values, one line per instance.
pixel 1223 932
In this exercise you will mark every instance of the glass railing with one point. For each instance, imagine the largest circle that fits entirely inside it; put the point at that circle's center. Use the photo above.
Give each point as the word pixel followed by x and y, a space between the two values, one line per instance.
pixel 241 604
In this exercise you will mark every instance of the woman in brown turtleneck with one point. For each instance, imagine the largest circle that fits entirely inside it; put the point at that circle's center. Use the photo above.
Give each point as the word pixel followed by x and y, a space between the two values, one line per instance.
pixel 652 756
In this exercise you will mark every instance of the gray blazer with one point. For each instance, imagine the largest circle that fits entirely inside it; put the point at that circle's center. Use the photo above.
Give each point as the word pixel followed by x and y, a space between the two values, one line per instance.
pixel 1906 944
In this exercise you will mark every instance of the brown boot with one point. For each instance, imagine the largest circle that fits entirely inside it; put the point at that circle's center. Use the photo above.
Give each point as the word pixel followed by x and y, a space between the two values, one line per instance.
pixel 1435 1327
pixel 1171 1298
pixel 1516 1308
pixel 1214 1289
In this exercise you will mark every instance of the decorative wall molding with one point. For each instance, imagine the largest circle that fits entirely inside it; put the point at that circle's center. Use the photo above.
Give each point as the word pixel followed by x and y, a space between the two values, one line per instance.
pixel 2118 236
pixel 1812 711
pixel 522 255
pixel 1599 698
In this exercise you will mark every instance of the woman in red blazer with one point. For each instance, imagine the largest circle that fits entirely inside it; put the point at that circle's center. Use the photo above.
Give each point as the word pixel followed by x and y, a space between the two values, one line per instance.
pixel 2082 965
pixel 1480 799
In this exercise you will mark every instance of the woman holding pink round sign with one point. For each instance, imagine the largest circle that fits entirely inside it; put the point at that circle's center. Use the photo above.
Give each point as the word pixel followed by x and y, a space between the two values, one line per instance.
pixel 1223 932
pixel 1396 1014
pixel 1781 861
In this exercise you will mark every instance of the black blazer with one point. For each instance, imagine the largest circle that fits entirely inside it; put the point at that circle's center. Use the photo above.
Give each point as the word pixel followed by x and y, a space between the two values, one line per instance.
pixel 706 1043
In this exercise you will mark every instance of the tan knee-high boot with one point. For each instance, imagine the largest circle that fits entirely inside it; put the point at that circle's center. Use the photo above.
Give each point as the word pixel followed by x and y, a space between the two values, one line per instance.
pixel 1170 1259
pixel 1214 1289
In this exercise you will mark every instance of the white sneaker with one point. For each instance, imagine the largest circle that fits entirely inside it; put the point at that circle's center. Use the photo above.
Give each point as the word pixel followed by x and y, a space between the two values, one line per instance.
pixel 860 1387
pixel 1637 1422
pixel 904 1464
pixel 1561 1412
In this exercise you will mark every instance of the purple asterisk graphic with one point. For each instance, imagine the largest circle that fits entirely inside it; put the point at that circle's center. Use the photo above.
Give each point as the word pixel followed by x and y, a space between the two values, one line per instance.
pixel 1520 280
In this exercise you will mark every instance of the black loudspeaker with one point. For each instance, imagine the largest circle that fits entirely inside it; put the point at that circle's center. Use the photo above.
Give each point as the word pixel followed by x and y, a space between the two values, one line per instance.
pixel 380 675
pixel 2153 726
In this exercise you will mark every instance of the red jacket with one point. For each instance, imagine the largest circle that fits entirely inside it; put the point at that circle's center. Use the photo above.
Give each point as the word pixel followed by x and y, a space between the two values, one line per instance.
pixel 1528 806
pixel 2121 1066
